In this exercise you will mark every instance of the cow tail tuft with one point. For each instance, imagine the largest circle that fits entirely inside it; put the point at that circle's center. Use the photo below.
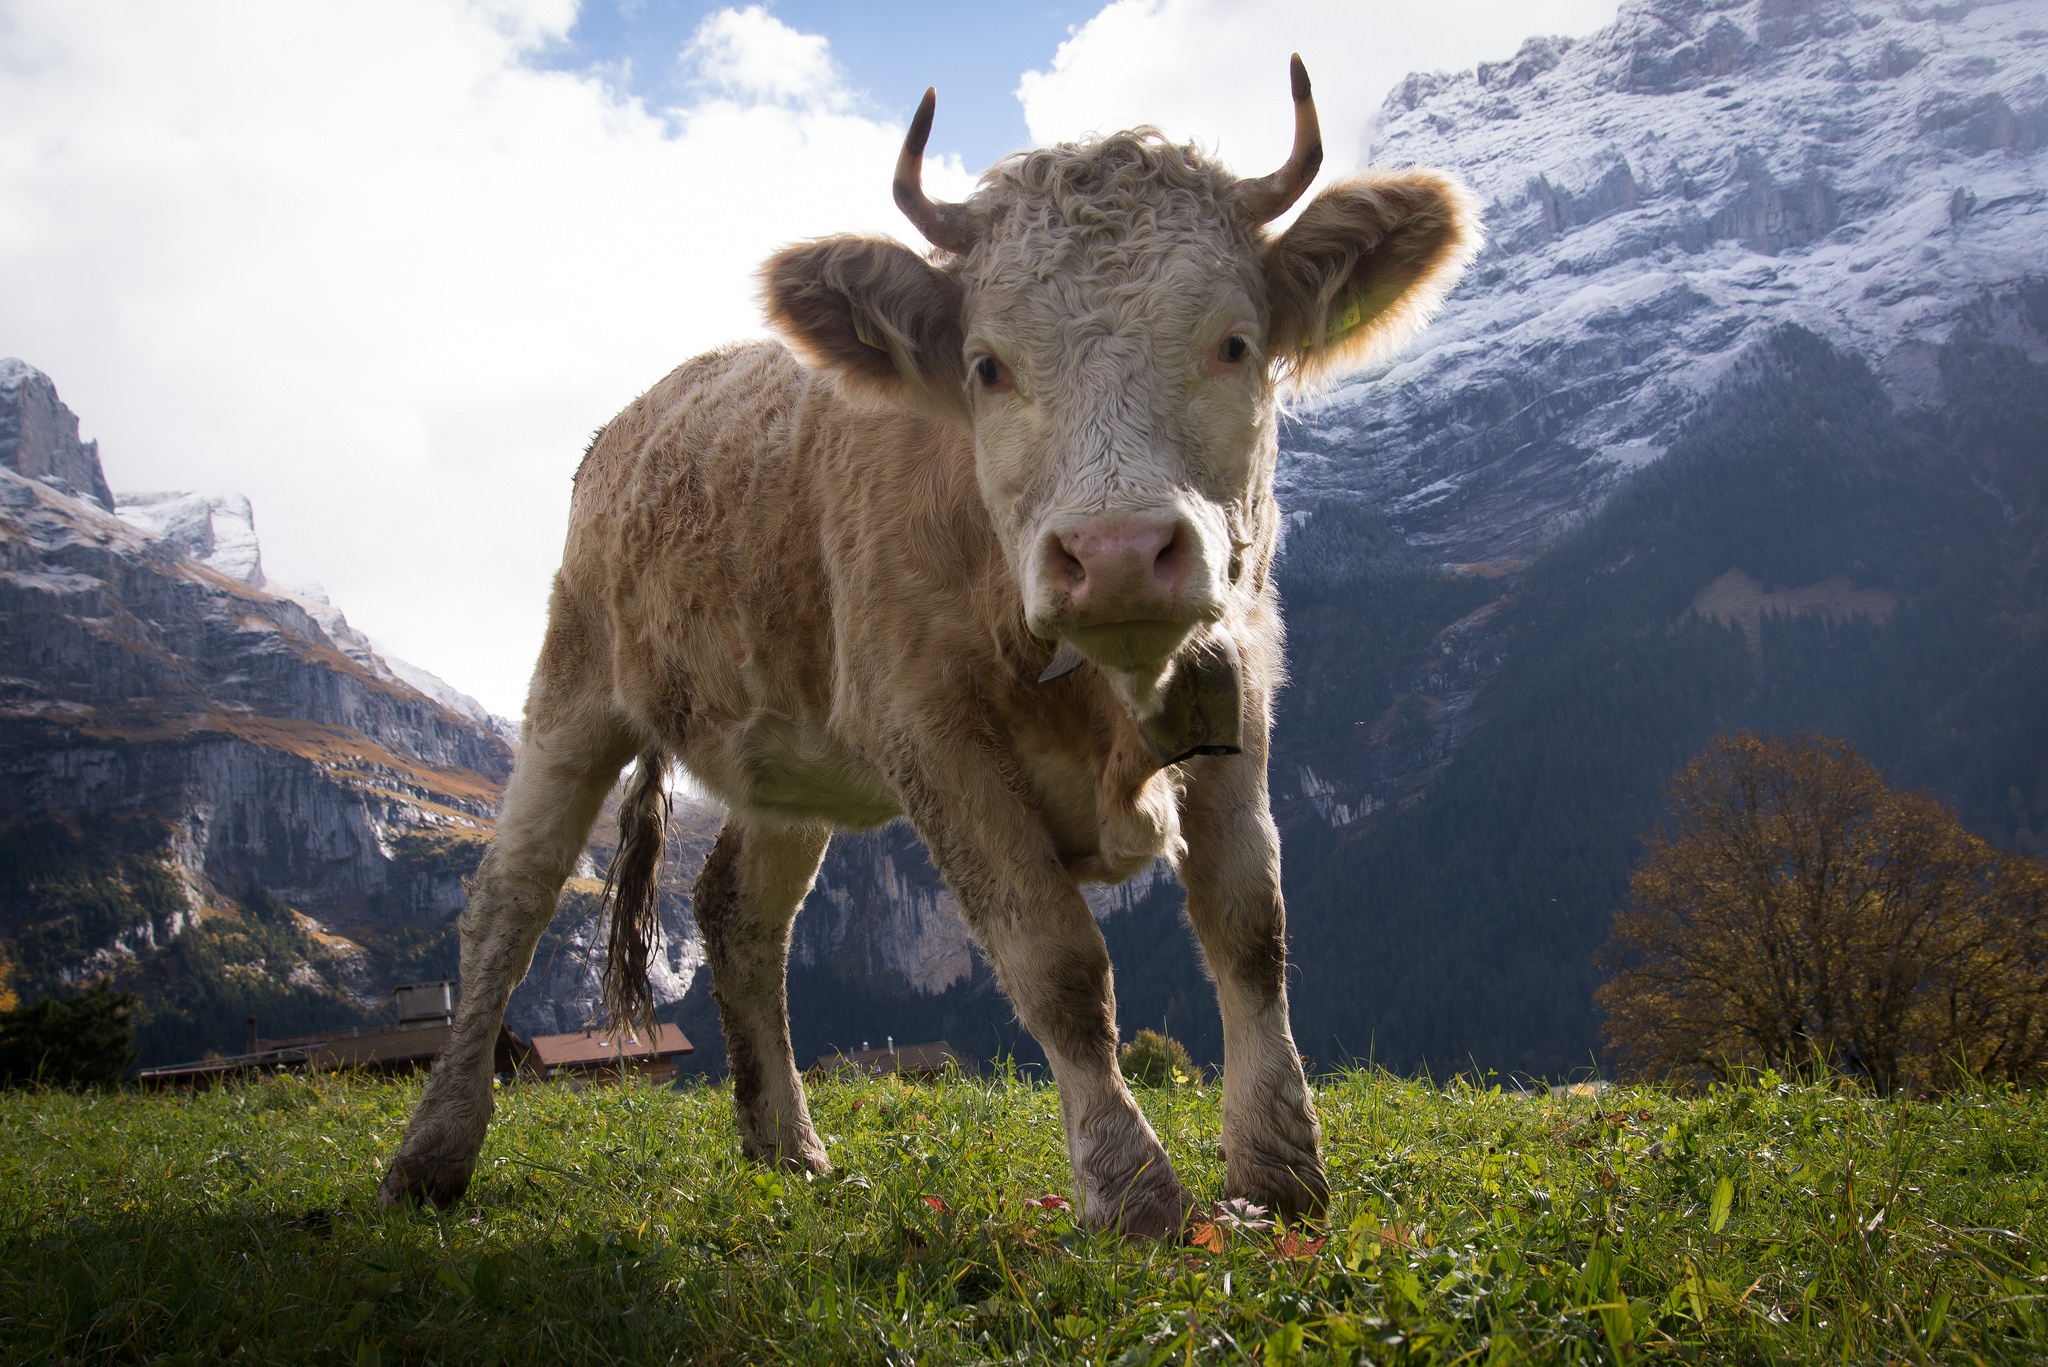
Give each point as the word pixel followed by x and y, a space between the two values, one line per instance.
pixel 632 894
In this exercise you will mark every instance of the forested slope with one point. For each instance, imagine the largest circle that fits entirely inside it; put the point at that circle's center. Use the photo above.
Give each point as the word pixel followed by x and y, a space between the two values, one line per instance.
pixel 1460 929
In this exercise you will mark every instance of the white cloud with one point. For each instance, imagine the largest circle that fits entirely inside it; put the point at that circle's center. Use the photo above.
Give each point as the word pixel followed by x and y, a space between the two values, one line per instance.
pixel 751 54
pixel 366 264
pixel 1215 71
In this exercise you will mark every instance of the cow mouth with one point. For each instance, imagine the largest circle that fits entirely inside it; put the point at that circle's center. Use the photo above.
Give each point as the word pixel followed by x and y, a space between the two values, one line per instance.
pixel 1137 647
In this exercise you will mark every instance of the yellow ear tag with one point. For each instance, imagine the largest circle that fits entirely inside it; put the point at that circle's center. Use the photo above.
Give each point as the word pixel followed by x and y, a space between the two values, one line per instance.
pixel 1345 323
pixel 864 328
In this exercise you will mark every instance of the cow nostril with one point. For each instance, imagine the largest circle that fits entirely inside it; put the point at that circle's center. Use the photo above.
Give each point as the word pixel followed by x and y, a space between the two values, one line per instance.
pixel 1170 566
pixel 1070 567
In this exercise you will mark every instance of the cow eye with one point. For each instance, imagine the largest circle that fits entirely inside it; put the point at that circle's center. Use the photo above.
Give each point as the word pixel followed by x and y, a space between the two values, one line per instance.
pixel 1234 349
pixel 994 376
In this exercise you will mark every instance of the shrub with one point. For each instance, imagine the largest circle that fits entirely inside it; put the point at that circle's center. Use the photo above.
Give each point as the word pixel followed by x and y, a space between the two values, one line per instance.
pixel 1155 1060
pixel 83 1041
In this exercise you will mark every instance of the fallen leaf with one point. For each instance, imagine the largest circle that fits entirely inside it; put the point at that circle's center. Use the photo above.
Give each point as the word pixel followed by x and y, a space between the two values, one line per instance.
pixel 1206 1236
pixel 940 1206
pixel 1292 1245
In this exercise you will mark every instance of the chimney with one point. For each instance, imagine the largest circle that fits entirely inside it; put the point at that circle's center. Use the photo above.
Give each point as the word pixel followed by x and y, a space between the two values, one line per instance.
pixel 251 1024
pixel 420 1002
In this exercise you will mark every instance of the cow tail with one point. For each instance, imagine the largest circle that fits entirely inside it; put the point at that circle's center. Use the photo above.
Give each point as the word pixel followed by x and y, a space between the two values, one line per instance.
pixel 632 893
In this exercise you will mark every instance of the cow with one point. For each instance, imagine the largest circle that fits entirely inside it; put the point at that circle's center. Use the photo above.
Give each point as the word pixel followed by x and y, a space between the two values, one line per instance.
pixel 985 541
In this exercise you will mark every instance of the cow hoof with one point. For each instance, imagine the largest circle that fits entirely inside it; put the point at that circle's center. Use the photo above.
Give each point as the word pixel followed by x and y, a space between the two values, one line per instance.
pixel 797 1157
pixel 409 1185
pixel 1145 1212
pixel 812 1161
pixel 1290 1191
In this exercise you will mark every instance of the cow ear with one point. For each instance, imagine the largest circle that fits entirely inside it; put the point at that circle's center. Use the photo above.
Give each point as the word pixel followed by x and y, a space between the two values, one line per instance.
pixel 876 315
pixel 1364 267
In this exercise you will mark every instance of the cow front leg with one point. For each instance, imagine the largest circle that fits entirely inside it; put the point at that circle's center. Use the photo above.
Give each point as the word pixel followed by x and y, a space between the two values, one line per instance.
pixel 745 903
pixel 1049 957
pixel 558 785
pixel 1055 968
pixel 1272 1143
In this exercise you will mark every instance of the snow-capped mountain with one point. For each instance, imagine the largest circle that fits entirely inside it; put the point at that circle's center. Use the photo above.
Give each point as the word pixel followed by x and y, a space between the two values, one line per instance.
pixel 1659 197
pixel 1739 422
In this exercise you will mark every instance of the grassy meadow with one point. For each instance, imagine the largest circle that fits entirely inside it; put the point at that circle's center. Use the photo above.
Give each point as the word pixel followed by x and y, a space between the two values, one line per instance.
pixel 1771 1221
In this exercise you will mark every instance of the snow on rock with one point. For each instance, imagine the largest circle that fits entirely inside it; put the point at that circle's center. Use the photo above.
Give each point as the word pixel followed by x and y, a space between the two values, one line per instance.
pixel 39 436
pixel 453 698
pixel 1658 197
pixel 365 652
pixel 217 530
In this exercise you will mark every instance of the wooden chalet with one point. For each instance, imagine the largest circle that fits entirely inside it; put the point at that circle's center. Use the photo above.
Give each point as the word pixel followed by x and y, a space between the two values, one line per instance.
pixel 426 1014
pixel 370 1048
pixel 600 1056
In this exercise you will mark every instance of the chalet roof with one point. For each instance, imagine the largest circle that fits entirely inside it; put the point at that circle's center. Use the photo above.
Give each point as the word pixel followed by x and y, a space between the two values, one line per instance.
pixel 584 1048
pixel 396 1038
pixel 907 1058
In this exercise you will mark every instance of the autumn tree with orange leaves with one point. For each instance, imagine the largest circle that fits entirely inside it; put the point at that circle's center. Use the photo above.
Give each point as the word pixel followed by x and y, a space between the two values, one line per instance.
pixel 1803 909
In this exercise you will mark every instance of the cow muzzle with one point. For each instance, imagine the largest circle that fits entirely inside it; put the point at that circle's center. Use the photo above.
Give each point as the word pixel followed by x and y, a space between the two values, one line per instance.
pixel 1126 590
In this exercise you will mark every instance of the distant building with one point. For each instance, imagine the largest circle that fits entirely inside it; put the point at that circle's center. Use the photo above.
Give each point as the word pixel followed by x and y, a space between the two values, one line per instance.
pixel 596 1055
pixel 371 1048
pixel 915 1060
pixel 425 1023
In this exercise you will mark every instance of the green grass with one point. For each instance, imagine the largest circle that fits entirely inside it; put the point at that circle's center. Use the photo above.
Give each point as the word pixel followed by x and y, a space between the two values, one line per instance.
pixel 1772 1221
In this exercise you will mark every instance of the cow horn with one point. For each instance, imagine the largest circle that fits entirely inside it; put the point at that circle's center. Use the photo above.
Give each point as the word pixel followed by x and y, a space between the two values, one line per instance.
pixel 943 225
pixel 1268 197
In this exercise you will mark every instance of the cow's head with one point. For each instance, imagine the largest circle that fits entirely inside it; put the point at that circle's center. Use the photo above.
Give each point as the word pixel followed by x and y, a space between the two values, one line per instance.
pixel 1111 320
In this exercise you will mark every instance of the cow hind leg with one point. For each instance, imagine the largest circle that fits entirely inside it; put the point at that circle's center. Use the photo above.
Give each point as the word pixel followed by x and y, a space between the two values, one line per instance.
pixel 572 753
pixel 745 903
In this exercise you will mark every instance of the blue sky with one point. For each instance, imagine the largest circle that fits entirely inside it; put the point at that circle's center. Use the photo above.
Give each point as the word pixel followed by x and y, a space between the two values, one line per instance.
pixel 973 53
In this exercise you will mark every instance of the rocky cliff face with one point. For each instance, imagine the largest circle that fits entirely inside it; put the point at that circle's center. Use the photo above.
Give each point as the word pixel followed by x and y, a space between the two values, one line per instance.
pixel 157 674
pixel 39 436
